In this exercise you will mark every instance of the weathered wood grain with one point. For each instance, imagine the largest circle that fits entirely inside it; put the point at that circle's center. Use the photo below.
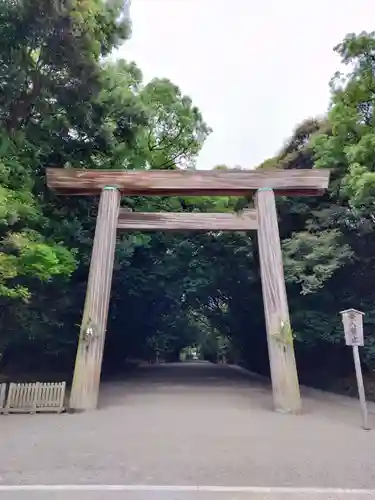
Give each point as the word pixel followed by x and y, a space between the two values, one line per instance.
pixel 187 221
pixel 284 376
pixel 179 182
pixel 86 380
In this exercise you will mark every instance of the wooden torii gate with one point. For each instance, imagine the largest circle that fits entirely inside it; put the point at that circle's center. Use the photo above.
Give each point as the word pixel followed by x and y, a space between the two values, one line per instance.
pixel 110 185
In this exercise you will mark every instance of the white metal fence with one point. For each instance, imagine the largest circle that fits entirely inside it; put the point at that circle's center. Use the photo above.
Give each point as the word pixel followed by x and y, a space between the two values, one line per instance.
pixel 32 398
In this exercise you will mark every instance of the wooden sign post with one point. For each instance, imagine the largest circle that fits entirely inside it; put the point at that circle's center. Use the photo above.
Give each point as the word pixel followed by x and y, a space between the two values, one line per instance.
pixel 353 328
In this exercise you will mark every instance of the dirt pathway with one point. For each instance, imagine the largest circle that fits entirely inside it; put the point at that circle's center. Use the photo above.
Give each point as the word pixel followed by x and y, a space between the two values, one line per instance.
pixel 191 424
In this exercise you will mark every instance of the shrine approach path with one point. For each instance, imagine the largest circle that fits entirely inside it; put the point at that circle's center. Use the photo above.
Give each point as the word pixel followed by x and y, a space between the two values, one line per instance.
pixel 190 431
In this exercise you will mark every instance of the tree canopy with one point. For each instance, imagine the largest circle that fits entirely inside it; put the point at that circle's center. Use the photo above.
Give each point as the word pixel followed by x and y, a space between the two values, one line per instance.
pixel 65 103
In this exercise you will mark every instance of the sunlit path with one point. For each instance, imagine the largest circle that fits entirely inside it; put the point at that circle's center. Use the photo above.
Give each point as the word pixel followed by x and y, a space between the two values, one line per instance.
pixel 187 425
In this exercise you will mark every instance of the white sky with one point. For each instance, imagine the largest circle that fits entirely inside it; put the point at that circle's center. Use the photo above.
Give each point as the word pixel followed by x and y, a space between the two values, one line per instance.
pixel 255 69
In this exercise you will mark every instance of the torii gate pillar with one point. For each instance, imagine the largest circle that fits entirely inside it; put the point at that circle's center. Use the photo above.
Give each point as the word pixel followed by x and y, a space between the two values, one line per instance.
pixel 285 386
pixel 86 380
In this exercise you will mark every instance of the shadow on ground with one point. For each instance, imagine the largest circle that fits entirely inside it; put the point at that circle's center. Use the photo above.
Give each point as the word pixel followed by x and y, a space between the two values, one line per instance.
pixel 196 379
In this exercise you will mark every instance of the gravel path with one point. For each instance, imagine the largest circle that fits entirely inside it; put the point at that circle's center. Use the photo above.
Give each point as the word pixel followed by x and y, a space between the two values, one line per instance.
pixel 190 424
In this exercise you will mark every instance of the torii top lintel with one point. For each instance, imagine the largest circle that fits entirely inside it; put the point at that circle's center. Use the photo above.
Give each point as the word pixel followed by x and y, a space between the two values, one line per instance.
pixel 295 182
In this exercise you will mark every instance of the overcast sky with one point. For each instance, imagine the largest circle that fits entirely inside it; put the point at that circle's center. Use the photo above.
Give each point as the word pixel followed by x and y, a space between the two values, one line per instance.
pixel 254 68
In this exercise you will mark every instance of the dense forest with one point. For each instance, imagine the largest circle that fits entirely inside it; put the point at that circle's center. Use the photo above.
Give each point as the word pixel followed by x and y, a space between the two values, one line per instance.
pixel 64 102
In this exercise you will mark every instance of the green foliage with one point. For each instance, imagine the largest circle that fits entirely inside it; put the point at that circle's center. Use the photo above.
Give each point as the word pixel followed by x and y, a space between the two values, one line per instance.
pixel 176 130
pixel 348 148
pixel 24 251
pixel 312 258
pixel 64 103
